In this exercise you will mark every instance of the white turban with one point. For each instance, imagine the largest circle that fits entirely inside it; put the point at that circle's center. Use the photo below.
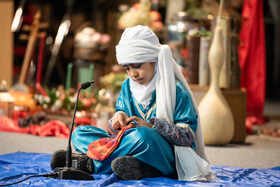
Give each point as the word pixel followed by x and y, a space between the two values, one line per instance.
pixel 139 45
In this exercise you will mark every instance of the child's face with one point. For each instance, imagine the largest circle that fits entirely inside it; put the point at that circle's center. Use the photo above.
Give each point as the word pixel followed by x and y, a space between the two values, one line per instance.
pixel 141 73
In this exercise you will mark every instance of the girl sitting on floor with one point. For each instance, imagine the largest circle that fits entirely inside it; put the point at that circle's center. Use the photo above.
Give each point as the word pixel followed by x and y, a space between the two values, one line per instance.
pixel 167 139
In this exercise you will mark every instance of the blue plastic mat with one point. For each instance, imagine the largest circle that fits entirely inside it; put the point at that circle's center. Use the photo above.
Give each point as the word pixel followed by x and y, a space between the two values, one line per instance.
pixel 17 166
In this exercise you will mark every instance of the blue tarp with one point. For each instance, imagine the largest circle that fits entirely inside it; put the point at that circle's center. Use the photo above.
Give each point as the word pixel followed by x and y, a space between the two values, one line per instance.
pixel 18 166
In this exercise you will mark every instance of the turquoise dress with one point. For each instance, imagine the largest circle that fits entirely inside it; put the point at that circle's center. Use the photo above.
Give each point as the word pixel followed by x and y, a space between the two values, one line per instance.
pixel 143 143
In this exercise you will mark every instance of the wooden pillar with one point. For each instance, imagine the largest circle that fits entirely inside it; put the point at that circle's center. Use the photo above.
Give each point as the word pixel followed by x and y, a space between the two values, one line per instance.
pixel 6 40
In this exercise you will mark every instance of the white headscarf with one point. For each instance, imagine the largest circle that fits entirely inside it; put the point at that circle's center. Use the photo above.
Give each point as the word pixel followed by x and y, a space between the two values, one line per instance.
pixel 135 37
pixel 139 45
pixel 143 93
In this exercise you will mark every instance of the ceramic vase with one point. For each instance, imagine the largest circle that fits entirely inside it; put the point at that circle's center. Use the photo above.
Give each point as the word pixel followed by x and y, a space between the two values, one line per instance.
pixel 215 115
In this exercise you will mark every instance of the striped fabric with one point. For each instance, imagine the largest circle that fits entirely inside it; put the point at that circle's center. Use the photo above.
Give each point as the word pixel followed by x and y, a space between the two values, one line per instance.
pixel 102 148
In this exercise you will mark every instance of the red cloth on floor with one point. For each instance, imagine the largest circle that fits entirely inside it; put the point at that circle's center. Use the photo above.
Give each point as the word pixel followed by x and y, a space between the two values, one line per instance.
pixel 51 128
pixel 252 56
pixel 10 125
pixel 251 120
pixel 102 148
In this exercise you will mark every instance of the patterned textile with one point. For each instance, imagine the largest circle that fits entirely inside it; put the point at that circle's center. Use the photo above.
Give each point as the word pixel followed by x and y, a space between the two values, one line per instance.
pixel 102 148
pixel 180 134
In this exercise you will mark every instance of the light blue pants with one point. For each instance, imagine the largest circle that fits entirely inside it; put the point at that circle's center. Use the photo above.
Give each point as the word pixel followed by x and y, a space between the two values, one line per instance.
pixel 143 143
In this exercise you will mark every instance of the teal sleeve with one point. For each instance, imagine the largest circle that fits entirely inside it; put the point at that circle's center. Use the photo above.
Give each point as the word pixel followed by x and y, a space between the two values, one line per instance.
pixel 125 101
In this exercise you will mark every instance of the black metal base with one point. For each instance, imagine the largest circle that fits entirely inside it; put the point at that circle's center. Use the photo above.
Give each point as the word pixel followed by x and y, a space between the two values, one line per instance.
pixel 72 173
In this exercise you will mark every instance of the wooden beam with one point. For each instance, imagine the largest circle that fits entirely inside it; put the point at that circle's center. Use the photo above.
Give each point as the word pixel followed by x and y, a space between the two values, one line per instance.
pixel 6 41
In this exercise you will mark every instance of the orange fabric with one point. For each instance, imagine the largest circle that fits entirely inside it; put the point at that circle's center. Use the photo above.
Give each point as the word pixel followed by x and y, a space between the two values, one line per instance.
pixel 102 148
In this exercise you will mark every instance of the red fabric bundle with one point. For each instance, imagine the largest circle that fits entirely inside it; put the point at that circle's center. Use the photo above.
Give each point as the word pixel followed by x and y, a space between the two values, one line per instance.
pixel 51 128
pixel 10 125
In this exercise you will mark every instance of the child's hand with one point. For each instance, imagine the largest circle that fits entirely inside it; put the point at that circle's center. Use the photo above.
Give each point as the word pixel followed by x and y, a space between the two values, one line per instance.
pixel 140 122
pixel 119 120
